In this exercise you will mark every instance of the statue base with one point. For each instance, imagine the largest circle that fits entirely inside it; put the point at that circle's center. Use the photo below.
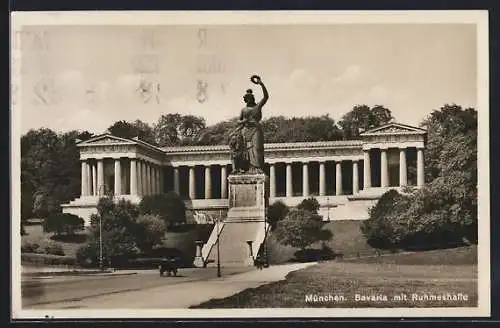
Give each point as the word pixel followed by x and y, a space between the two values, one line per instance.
pixel 247 197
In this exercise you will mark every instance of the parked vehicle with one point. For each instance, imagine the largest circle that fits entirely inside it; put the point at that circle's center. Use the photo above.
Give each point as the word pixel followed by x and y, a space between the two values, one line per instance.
pixel 170 265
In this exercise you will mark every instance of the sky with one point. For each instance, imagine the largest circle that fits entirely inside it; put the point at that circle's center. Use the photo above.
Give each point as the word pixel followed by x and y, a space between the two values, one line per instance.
pixel 88 77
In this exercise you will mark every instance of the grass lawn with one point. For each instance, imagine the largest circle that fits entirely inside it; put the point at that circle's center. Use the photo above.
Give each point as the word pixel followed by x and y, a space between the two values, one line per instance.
pixel 391 281
pixel 35 234
pixel 347 240
pixel 182 240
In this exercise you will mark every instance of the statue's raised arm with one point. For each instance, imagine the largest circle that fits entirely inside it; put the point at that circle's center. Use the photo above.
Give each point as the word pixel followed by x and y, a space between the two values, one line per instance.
pixel 257 80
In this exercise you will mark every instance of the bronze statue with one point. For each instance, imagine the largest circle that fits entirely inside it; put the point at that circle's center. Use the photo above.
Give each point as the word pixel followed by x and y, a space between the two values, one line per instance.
pixel 247 140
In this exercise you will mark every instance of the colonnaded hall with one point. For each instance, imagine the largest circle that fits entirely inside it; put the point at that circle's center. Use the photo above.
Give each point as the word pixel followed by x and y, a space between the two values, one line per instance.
pixel 346 177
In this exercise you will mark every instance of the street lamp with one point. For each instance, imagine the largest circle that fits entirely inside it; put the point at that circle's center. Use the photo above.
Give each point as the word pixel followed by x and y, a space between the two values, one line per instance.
pixel 101 265
pixel 100 243
pixel 328 208
pixel 218 244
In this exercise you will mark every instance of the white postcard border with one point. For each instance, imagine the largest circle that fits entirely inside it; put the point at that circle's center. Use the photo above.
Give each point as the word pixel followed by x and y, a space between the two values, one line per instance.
pixel 479 18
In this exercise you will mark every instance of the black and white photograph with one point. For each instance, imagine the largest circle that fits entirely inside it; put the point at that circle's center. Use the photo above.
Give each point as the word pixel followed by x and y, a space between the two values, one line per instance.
pixel 250 164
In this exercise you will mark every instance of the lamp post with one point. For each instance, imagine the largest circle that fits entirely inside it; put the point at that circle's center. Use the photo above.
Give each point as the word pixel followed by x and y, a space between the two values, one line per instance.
pixel 100 243
pixel 218 244
pixel 265 242
pixel 328 208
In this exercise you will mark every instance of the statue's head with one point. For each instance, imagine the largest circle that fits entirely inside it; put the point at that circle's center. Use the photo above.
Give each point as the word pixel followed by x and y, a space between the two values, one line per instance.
pixel 249 98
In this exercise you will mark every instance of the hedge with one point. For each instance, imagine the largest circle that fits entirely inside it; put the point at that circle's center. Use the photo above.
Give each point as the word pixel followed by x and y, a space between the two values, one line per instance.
pixel 46 259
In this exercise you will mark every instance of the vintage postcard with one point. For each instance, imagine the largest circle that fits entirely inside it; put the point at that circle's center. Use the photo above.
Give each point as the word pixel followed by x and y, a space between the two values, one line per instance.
pixel 250 164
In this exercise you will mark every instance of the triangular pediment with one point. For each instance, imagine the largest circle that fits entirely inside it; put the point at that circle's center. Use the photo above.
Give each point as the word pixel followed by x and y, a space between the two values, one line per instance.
pixel 396 128
pixel 106 139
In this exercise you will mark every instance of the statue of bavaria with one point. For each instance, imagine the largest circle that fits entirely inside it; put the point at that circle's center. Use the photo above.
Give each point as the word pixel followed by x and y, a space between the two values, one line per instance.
pixel 246 141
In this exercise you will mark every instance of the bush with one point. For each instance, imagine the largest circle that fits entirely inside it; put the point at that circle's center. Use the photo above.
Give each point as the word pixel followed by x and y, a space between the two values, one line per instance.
pixel 54 249
pixel 63 223
pixel 149 232
pixel 46 259
pixel 276 212
pixel 301 229
pixel 87 256
pixel 313 255
pixel 27 247
pixel 310 204
pixel 378 229
pixel 170 207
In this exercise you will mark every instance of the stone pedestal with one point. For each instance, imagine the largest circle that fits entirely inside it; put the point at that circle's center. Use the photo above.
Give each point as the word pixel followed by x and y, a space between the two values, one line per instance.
pixel 198 259
pixel 247 197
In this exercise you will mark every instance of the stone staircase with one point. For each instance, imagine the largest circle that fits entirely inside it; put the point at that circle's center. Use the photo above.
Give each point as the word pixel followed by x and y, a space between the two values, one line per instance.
pixel 234 249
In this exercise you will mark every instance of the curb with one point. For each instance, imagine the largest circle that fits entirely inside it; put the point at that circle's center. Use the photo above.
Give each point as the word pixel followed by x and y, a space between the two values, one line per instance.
pixel 75 273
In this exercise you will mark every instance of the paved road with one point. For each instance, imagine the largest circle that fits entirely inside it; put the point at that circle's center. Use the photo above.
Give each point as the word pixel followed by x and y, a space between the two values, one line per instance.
pixel 46 291
pixel 148 289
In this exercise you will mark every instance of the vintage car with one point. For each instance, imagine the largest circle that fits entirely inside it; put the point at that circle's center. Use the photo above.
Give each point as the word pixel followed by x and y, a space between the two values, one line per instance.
pixel 170 265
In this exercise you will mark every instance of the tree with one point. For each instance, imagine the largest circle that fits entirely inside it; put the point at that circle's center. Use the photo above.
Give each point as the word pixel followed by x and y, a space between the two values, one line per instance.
pixel 170 207
pixel 276 212
pixel 300 129
pixel 362 118
pixel 149 232
pixel 118 227
pixel 39 155
pixel 63 223
pixel 166 129
pixel 379 228
pixel 134 129
pixel 300 229
pixel 190 126
pixel 215 134
pixel 442 126
pixel 50 170
pixel 174 129
pixel 310 204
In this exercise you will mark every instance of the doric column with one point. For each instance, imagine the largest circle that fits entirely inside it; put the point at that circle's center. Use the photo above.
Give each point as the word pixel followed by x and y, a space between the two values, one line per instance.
pixel 161 178
pixel 420 167
pixel 192 183
pixel 85 180
pixel 208 182
pixel 384 169
pixel 272 180
pixel 338 178
pixel 403 180
pixel 176 180
pixel 367 173
pixel 140 181
pixel 355 177
pixel 147 178
pixel 154 180
pixel 100 177
pixel 223 181
pixel 133 176
pixel 157 180
pixel 118 177
pixel 88 167
pixel 305 179
pixel 94 179
pixel 150 179
pixel 289 184
pixel 144 178
pixel 322 179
